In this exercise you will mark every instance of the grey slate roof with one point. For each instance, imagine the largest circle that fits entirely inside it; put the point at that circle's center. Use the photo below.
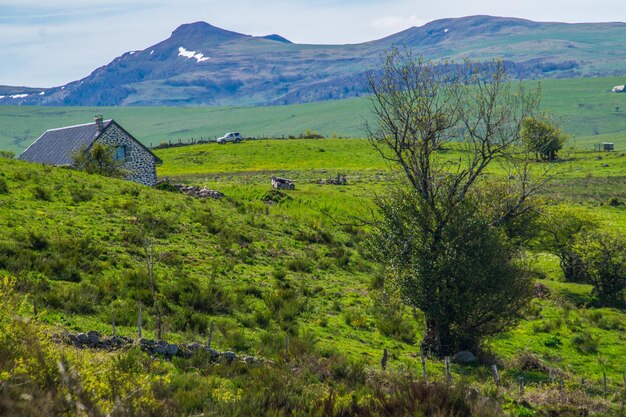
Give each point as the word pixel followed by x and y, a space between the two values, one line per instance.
pixel 55 146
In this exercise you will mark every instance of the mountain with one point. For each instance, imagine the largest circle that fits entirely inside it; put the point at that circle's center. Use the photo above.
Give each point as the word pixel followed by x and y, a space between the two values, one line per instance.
pixel 200 64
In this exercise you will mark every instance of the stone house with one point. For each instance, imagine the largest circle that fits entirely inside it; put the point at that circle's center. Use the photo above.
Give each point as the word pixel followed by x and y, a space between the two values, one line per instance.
pixel 56 147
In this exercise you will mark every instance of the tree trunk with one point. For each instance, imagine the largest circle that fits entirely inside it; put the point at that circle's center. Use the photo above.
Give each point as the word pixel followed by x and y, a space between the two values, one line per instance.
pixel 438 339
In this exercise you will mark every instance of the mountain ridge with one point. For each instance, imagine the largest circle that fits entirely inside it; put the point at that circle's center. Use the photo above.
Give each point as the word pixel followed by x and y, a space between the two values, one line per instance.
pixel 201 64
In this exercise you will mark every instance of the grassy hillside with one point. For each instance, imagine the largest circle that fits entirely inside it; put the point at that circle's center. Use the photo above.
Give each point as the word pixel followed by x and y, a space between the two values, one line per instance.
pixel 585 107
pixel 261 267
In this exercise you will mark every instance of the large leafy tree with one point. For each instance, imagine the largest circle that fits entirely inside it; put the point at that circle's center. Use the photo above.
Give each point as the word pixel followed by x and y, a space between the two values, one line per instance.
pixel 560 227
pixel 441 239
pixel 604 258
pixel 542 137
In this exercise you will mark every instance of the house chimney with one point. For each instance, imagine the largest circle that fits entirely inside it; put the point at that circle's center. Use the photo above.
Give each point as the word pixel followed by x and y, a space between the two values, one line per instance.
pixel 99 123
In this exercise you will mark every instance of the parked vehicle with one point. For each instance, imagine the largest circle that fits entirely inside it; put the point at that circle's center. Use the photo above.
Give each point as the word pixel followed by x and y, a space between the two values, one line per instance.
pixel 234 137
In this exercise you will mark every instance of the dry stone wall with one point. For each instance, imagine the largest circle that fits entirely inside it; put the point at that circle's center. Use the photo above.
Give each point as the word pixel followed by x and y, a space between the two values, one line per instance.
pixel 139 162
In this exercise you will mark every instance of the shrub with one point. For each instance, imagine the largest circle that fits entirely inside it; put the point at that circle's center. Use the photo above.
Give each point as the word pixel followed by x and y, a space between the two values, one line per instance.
pixel 81 194
pixel 72 298
pixel 286 305
pixel 585 342
pixel 4 187
pixel 547 325
pixel 210 299
pixel 42 193
pixel 391 321
pixel 7 154
pixel 300 265
pixel 527 362
pixel 603 256
pixel 552 341
pixel 37 241
pixel 614 202
pixel 310 134
pixel 356 319
pixel 275 196
pixel 166 186
pixel 157 225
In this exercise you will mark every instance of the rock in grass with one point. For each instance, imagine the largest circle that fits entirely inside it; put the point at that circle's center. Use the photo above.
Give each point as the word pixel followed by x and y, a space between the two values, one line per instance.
pixel 464 357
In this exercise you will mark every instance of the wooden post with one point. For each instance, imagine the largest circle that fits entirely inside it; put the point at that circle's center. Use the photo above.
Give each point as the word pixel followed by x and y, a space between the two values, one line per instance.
pixel 210 335
pixel 521 385
pixel 113 323
pixel 286 345
pixel 34 308
pixel 552 376
pixel 383 361
pixel 424 367
pixel 560 389
pixel 604 383
pixel 446 362
pixel 496 375
pixel 139 335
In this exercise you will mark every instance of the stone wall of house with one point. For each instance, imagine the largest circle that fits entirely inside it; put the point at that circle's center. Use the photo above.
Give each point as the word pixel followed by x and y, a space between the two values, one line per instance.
pixel 139 162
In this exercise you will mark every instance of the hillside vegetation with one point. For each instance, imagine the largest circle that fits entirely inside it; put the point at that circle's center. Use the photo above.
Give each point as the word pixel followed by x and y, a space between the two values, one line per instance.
pixel 260 268
pixel 585 108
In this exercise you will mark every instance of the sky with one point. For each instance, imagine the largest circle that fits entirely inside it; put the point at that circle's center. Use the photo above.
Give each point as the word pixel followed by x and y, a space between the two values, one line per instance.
pixel 46 43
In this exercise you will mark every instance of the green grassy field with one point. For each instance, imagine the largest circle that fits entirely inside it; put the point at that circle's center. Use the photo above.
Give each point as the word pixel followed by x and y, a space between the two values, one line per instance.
pixel 586 108
pixel 261 268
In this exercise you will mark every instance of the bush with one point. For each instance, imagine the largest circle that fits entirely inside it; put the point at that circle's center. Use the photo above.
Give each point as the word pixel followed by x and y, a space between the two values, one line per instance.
pixel 604 259
pixel 210 299
pixel 392 322
pixel 356 319
pixel 299 265
pixel 585 342
pixel 42 193
pixel 614 202
pixel 4 187
pixel 81 194
pixel 166 186
pixel 310 134
pixel 74 298
pixel 36 241
pixel 7 154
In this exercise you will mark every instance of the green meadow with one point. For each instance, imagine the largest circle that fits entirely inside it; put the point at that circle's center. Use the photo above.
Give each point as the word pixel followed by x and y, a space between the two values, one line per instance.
pixel 285 277
pixel 585 107
pixel 263 266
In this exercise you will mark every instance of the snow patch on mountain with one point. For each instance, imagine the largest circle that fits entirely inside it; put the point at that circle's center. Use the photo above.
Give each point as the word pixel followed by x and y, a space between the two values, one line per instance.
pixel 19 95
pixel 192 54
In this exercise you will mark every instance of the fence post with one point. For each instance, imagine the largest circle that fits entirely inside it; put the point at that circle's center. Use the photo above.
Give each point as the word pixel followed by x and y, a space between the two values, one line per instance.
pixel 286 345
pixel 424 367
pixel 604 383
pixel 446 361
pixel 210 335
pixel 34 308
pixel 521 385
pixel 139 335
pixel 383 362
pixel 496 375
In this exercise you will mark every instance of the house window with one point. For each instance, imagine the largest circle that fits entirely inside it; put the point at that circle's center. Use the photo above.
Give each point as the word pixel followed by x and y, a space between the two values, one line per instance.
pixel 120 153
